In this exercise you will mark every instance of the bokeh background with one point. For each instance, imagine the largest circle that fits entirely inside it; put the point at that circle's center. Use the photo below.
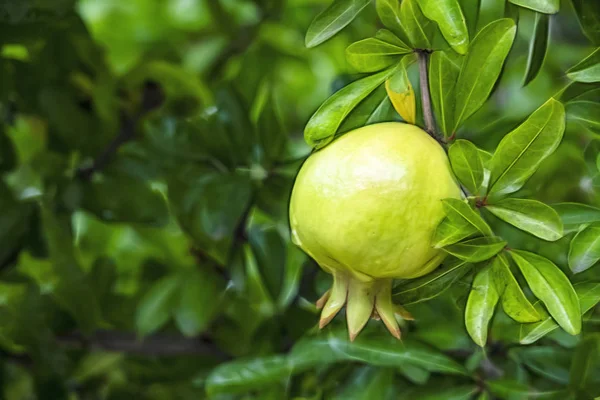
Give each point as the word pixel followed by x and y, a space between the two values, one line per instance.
pixel 147 153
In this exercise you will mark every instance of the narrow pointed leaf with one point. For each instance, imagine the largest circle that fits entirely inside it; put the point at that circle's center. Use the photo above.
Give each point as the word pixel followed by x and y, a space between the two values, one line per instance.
pixel 584 250
pixel 584 113
pixel 467 164
pixel 332 20
pixel 588 13
pixel 401 93
pixel 514 302
pixel 549 284
pixel 476 250
pixel 416 26
pixel 538 46
pixel 431 285
pixel 482 67
pixel 370 55
pixel 588 294
pixel 458 210
pixel 324 123
pixel 452 231
pixel 451 21
pixel 389 15
pixel 443 73
pixel 521 151
pixel 573 215
pixel 531 216
pixel 390 37
pixel 587 70
pixel 541 6
pixel 480 306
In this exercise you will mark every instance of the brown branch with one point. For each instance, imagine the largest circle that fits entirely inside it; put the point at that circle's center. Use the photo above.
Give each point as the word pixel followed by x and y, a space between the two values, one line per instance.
pixel 423 56
pixel 155 345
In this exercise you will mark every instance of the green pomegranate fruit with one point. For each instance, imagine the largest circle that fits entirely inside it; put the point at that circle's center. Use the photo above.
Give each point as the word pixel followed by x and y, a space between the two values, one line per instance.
pixel 365 208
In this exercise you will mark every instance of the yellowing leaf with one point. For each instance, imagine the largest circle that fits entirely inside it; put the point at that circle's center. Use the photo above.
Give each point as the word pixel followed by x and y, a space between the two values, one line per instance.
pixel 401 93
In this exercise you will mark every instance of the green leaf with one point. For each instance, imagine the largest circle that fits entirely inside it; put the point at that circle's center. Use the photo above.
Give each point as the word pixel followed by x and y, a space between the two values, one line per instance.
pixel 510 389
pixel 573 215
pixel 367 383
pixel 584 250
pixel 552 287
pixel 155 308
pixel 476 250
pixel 332 20
pixel 514 302
pixel 451 21
pixel 482 66
pixel 541 6
pixel 199 294
pixel 96 364
pixel 588 294
pixel 586 363
pixel 414 374
pixel 550 362
pixel 389 14
pixel 538 45
pixel 587 70
pixel 431 285
pixel 370 55
pixel 480 306
pixel 324 123
pixel 450 232
pixel 471 10
pixel 529 215
pixel 454 392
pixel 520 153
pixel 258 295
pixel 458 211
pixel 585 113
pixel 443 73
pixel 389 37
pixel 467 164
pixel 418 28
pixel 401 93
pixel 587 13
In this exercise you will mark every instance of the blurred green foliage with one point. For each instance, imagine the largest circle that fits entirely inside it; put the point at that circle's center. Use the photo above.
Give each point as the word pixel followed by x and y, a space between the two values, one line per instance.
pixel 147 153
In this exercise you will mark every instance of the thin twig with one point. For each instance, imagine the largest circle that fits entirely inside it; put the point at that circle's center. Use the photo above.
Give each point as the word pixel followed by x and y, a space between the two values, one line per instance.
pixel 423 56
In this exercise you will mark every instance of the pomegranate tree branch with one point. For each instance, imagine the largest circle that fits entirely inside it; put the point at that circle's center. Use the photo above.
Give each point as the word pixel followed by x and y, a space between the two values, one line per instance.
pixel 423 56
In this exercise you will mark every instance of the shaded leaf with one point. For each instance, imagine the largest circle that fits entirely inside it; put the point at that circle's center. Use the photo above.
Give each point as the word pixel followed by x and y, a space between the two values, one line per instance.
pixel 401 93
pixel 585 113
pixel 367 383
pixel 443 73
pixel 332 20
pixel 546 361
pixel 480 306
pixel 587 70
pixel 467 164
pixel 452 231
pixel 476 250
pixel 324 123
pixel 529 215
pixel 451 21
pixel 370 55
pixel 586 364
pixel 481 67
pixel 573 215
pixel 510 389
pixel 587 13
pixel 520 153
pixel 584 250
pixel 389 15
pixel 155 308
pixel 552 287
pixel 541 6
pixel 538 45
pixel 456 392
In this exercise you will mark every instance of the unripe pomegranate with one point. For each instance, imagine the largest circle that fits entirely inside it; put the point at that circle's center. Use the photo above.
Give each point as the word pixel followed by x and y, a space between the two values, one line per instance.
pixel 365 207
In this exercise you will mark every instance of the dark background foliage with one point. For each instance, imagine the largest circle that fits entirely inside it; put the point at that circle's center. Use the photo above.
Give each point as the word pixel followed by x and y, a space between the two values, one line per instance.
pixel 147 153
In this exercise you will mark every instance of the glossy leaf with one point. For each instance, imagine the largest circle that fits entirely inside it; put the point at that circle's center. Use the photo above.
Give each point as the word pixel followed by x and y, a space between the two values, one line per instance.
pixel 587 70
pixel 443 73
pixel 451 21
pixel 587 13
pixel 476 250
pixel 531 216
pixel 588 294
pixel 541 6
pixel 324 123
pixel 480 306
pixel 514 302
pixel 370 55
pixel 431 285
pixel 389 36
pixel 388 12
pixel 416 26
pixel 459 211
pixel 332 20
pixel 452 231
pixel 538 46
pixel 521 151
pixel 584 250
pixel 467 164
pixel 573 215
pixel 552 287
pixel 401 93
pixel 481 67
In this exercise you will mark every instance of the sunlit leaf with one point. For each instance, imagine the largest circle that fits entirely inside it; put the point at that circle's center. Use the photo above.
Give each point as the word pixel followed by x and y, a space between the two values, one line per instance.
pixel 584 250
pixel 370 55
pixel 476 250
pixel 452 231
pixel 332 20
pixel 542 6
pixel 480 306
pixel 451 21
pixel 443 73
pixel 418 28
pixel 467 164
pixel 459 211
